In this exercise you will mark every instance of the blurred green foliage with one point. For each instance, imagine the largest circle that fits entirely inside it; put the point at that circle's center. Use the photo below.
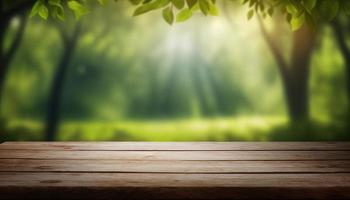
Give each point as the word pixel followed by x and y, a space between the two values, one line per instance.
pixel 297 13
pixel 140 79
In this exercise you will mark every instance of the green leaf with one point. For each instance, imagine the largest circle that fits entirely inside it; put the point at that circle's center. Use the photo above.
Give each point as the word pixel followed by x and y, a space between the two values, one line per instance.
pixel 250 14
pixel 204 6
pixel 191 3
pixel 292 9
pixel 297 21
pixel 78 9
pixel 56 3
pixel 270 11
pixel 213 10
pixel 252 3
pixel 57 9
pixel 179 4
pixel 36 8
pixel 150 6
pixel 183 15
pixel 168 15
pixel 43 11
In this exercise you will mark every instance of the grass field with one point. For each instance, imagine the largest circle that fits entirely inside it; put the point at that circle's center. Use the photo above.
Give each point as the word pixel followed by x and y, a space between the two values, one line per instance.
pixel 215 129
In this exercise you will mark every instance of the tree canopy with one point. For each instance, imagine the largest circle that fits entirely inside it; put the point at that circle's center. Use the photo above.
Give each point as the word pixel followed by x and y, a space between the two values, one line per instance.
pixel 296 12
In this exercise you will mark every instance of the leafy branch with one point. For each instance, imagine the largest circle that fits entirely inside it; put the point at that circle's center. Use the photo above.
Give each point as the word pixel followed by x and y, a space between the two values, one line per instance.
pixel 296 12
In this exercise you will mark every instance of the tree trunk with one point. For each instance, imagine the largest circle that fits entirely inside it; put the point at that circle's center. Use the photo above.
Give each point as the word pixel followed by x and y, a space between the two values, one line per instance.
pixel 294 75
pixel 344 49
pixel 297 90
pixel 55 96
pixel 5 17
pixel 3 66
pixel 6 56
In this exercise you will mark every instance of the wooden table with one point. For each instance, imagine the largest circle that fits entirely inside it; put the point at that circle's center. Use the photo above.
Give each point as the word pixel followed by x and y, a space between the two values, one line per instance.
pixel 194 170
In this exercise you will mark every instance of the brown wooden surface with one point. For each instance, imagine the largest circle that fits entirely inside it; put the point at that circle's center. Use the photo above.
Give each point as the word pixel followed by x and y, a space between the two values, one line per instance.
pixel 194 170
pixel 178 146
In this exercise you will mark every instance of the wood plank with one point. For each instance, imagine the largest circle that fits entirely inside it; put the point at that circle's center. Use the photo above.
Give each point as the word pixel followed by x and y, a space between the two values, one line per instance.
pixel 220 167
pixel 204 170
pixel 178 146
pixel 177 155
pixel 172 180
pixel 173 186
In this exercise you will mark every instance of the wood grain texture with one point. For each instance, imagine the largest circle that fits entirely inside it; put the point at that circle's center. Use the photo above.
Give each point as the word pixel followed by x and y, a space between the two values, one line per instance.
pixel 178 146
pixel 199 167
pixel 177 155
pixel 176 170
pixel 46 179
pixel 174 186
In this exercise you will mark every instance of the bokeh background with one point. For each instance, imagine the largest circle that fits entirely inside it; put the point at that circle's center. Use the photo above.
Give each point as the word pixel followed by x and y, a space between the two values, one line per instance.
pixel 139 79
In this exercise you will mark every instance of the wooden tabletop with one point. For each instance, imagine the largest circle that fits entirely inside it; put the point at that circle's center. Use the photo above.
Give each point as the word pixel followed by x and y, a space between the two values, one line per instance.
pixel 173 170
